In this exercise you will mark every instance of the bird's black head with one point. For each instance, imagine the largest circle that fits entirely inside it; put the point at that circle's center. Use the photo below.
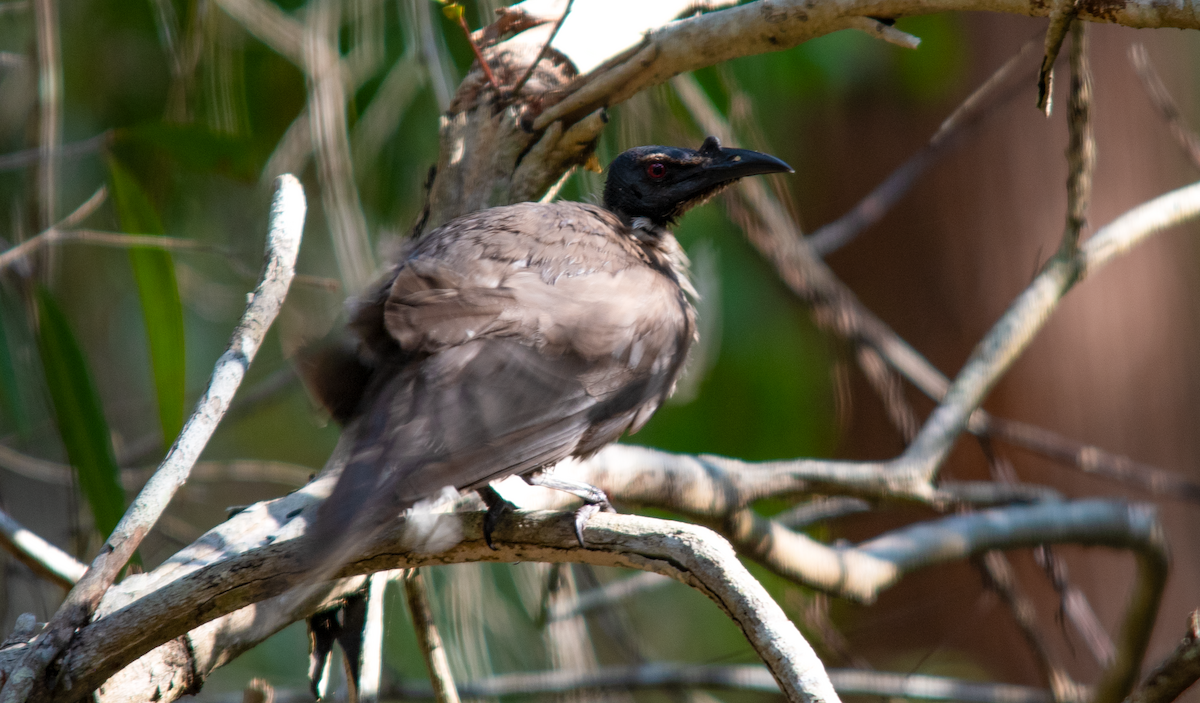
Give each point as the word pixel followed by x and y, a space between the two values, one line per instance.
pixel 660 183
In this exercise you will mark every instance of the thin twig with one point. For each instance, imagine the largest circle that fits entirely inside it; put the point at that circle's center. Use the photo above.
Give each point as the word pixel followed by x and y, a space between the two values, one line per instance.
pixel 1029 312
pixel 609 593
pixel 483 64
pixel 1074 602
pixel 428 638
pixel 1062 15
pixel 121 240
pixel 283 244
pixel 996 90
pixel 331 146
pixel 25 248
pixel 1081 146
pixel 884 32
pixel 17 160
pixel 46 560
pixel 1093 460
pixel 1161 98
pixel 819 510
pixel 836 308
pixel 516 92
pixel 49 55
pixel 737 677
pixel 370 673
pixel 1178 672
pixel 1003 581
pixel 270 25
pixel 1076 607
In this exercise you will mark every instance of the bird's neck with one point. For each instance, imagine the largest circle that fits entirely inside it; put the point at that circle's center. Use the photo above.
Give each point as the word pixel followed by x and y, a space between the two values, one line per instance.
pixel 661 246
pixel 647 232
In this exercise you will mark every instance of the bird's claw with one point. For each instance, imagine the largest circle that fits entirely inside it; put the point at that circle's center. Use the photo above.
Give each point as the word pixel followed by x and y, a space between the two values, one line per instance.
pixel 497 511
pixel 585 513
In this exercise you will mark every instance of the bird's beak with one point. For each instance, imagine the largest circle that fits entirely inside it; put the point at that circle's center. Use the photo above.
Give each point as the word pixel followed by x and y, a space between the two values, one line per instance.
pixel 724 165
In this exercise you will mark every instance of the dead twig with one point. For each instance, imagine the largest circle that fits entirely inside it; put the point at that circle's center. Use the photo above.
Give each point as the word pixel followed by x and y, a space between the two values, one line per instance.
pixel 516 91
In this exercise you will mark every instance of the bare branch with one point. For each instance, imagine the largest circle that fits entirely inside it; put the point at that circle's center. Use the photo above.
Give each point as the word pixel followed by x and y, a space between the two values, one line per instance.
pixel 21 159
pixel 49 56
pixel 270 25
pixel 428 638
pixel 1081 146
pixel 885 32
pixel 331 145
pixel 712 38
pixel 516 91
pixel 609 593
pixel 1025 317
pixel 688 553
pixel 46 560
pixel 47 236
pixel 1003 581
pixel 1162 100
pixel 1091 459
pixel 283 244
pixel 743 677
pixel 1062 15
pixel 1178 672
pixel 370 673
pixel 997 89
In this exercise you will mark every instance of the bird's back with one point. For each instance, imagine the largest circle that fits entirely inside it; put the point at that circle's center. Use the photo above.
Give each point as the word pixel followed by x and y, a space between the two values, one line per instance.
pixel 505 340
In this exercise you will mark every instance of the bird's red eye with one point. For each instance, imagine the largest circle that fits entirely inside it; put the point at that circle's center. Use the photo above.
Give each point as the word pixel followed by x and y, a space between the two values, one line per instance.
pixel 656 170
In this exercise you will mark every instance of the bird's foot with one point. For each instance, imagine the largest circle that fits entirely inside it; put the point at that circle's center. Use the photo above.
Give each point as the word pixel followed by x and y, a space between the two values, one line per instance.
pixel 594 499
pixel 498 508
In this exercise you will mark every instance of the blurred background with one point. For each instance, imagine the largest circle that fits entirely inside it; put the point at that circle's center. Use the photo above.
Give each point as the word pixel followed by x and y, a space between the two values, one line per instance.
pixel 184 118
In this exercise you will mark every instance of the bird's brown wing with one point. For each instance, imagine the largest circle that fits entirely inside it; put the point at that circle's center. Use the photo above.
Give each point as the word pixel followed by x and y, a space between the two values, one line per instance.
pixel 499 368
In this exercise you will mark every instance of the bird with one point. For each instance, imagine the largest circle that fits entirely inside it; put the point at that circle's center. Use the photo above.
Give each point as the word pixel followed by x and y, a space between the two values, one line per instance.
pixel 514 337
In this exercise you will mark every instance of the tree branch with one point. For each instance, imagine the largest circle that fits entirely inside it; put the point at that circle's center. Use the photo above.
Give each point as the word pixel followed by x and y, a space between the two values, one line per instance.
pixel 440 677
pixel 134 622
pixel 775 25
pixel 283 244
pixel 1178 672
pixel 46 560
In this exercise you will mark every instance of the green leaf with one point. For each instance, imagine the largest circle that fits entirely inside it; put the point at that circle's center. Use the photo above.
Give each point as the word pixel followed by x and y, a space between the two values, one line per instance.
pixel 10 390
pixel 161 309
pixel 80 417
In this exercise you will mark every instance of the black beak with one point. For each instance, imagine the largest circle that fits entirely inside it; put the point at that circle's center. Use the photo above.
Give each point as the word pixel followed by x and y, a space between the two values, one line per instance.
pixel 724 165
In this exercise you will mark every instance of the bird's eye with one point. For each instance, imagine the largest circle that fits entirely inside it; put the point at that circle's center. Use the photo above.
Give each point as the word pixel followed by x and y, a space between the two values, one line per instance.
pixel 656 170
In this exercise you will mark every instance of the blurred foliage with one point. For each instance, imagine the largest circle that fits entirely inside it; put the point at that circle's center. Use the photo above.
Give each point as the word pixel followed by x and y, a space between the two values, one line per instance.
pixel 77 409
pixel 154 273
pixel 195 108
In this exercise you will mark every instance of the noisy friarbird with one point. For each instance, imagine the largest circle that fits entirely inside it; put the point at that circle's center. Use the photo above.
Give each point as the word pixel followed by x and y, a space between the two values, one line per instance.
pixel 514 337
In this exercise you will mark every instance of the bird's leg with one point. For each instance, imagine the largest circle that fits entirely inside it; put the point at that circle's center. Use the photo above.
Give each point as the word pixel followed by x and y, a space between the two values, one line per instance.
pixel 594 499
pixel 498 507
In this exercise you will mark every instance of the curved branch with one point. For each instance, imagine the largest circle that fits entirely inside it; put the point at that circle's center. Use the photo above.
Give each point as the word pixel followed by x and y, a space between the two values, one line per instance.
pixel 688 553
pixel 774 25
pixel 46 560
pixel 283 245
pixel 1026 316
